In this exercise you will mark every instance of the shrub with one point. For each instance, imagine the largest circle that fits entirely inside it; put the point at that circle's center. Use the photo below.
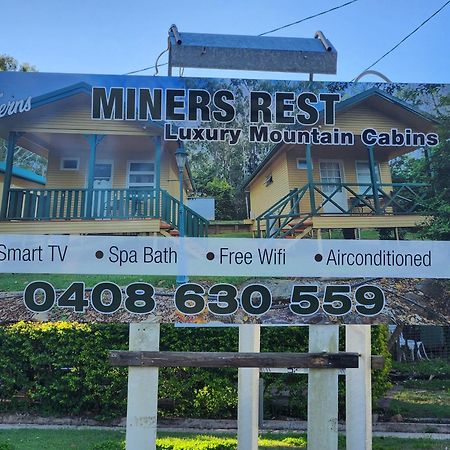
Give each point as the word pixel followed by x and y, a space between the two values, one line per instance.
pixel 6 446
pixel 62 369
pixel 196 443
pixel 380 378
pixel 171 443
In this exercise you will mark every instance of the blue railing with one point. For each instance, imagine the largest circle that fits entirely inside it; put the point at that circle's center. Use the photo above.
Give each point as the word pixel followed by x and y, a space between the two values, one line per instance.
pixel 293 211
pixel 70 204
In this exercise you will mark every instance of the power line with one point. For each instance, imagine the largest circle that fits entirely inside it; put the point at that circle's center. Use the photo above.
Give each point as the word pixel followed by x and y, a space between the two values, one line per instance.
pixel 146 68
pixel 262 34
pixel 157 59
pixel 408 36
pixel 307 18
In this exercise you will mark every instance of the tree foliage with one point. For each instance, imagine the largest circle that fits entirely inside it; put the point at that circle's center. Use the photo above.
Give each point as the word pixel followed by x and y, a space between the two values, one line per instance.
pixel 10 64
pixel 439 204
pixel 22 157
pixel 223 193
pixel 434 170
pixel 234 163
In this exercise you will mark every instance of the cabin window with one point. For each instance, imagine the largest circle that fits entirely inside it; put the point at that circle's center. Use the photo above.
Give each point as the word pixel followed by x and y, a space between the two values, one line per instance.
pixel 70 164
pixel 268 180
pixel 363 176
pixel 103 171
pixel 141 174
pixel 302 164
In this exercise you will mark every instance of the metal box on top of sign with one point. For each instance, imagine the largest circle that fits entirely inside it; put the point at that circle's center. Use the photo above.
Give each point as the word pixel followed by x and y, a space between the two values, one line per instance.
pixel 260 53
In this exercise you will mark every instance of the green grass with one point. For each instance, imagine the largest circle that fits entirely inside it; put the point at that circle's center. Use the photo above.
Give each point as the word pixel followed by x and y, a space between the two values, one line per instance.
pixel 407 444
pixel 424 367
pixel 18 281
pixel 67 439
pixel 369 233
pixel 73 439
pixel 233 234
pixel 422 398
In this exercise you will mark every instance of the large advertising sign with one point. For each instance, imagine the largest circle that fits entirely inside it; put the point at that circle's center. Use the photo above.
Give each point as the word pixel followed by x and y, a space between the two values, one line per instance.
pixel 94 179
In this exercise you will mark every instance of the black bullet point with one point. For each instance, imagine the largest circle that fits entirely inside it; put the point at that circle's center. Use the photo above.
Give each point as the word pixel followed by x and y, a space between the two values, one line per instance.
pixel 318 257
pixel 99 254
pixel 210 256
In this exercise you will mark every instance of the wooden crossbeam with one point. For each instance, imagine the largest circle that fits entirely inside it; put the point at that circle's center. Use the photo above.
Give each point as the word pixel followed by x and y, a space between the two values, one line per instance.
pixel 234 359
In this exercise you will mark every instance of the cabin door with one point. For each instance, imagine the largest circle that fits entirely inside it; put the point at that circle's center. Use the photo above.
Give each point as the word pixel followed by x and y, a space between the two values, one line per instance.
pixel 332 174
pixel 102 180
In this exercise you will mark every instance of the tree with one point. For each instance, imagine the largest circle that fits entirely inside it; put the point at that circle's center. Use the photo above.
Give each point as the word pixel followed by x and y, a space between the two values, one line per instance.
pixel 435 171
pixel 224 195
pixel 438 228
pixel 10 64
pixel 22 157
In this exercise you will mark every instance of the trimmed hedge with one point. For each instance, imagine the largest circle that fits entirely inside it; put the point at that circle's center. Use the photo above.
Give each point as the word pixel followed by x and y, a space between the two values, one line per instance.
pixel 62 369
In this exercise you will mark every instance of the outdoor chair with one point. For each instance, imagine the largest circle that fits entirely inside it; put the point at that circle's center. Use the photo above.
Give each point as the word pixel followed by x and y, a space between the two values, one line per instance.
pixel 415 348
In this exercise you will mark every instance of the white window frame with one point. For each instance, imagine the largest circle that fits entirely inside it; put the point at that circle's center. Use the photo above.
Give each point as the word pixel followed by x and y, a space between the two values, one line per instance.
pixel 366 161
pixel 111 163
pixel 153 172
pixel 68 158
pixel 341 169
pixel 297 164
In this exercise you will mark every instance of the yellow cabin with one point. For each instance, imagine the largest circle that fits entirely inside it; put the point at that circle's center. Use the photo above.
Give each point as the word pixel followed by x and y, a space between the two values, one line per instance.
pixel 300 188
pixel 102 177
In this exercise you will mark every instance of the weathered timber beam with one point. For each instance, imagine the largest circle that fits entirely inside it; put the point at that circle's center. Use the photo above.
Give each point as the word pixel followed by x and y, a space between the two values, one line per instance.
pixel 230 359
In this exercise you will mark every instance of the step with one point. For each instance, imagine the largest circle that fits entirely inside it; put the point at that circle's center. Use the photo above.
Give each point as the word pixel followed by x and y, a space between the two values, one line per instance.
pixel 165 225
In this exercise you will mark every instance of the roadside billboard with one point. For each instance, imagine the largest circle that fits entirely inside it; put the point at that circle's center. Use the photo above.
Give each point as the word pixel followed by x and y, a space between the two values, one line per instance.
pixel 90 229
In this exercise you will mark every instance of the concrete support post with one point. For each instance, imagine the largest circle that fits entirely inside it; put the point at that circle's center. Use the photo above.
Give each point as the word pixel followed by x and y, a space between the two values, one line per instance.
pixel 323 391
pixel 359 389
pixel 142 403
pixel 248 390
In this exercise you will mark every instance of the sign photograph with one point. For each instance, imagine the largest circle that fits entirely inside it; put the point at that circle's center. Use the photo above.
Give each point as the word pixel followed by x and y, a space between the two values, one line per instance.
pixel 334 188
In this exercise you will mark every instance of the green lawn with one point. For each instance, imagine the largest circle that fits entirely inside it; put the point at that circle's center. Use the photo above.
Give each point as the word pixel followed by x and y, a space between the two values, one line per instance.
pixel 233 234
pixel 422 398
pixel 18 281
pixel 369 233
pixel 68 439
pixel 82 439
pixel 426 368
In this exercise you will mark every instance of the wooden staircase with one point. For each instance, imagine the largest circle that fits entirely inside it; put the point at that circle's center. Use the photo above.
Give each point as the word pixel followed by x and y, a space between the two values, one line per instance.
pixel 304 230
pixel 168 230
